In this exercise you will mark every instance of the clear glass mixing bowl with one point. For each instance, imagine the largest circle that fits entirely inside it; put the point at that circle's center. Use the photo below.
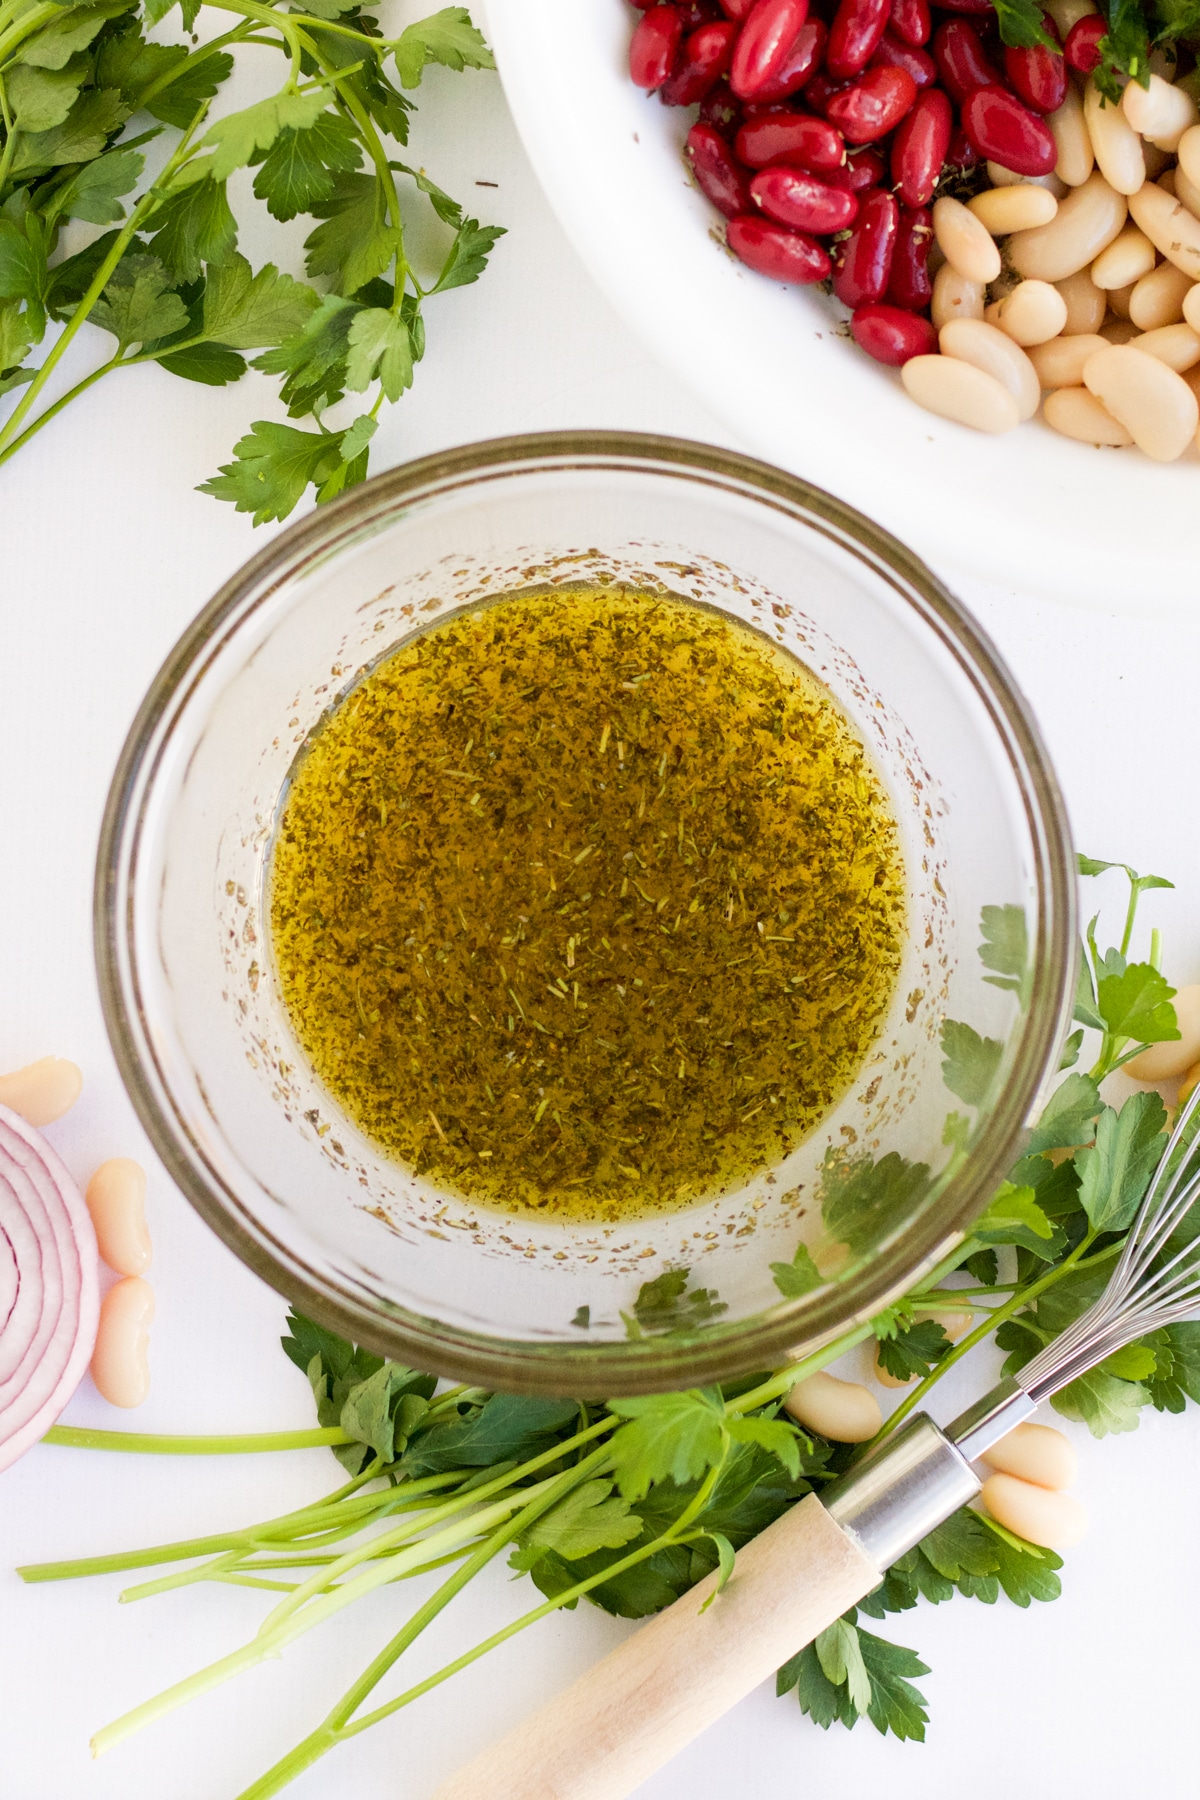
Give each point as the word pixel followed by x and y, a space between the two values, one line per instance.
pixel 880 1192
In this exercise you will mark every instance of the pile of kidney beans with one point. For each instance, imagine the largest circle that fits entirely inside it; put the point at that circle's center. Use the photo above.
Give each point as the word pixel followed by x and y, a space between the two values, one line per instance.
pixel 826 127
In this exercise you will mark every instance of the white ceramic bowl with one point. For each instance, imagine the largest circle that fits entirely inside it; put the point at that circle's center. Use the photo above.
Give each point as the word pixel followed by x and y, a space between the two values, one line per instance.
pixel 1103 526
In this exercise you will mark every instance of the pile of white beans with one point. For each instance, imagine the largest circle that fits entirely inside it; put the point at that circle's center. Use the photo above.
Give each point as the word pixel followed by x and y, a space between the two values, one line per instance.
pixel 116 1199
pixel 1030 1466
pixel 1094 272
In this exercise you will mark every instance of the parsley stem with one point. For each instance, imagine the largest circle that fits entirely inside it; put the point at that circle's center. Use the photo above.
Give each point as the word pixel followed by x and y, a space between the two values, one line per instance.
pixel 778 1384
pixel 10 136
pixel 24 26
pixel 1013 1304
pixel 78 1437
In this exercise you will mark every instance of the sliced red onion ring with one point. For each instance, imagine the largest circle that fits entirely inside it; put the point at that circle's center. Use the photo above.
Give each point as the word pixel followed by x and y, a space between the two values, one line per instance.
pixel 49 1286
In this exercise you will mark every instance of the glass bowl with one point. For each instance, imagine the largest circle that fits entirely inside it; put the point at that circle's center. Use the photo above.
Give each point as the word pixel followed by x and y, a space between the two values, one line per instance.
pixel 880 1192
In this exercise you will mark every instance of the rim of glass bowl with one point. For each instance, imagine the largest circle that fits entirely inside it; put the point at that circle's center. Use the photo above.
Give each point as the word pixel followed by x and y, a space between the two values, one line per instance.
pixel 718 1352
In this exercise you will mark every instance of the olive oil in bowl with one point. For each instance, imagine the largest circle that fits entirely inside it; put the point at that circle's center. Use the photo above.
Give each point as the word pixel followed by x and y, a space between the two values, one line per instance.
pixel 587 903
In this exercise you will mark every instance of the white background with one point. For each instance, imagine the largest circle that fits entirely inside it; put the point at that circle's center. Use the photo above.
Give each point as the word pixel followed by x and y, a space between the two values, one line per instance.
pixel 106 553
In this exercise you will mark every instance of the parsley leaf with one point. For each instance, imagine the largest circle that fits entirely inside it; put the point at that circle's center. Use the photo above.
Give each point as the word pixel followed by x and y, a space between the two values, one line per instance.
pixel 667 1304
pixel 971 1062
pixel 40 98
pixel 1136 1003
pixel 798 1277
pixel 590 1518
pixel 314 358
pixel 1068 1117
pixel 1103 1402
pixel 379 346
pixel 667 1437
pixel 300 166
pixel 468 255
pixel 82 135
pixel 913 1350
pixel 1125 51
pixel 235 139
pixel 139 304
pixel 95 191
pixel 213 365
pixel 861 1199
pixel 1021 25
pixel 357 240
pixel 248 311
pixel 850 1673
pixel 779 1437
pixel 1115 1172
pixel 446 37
pixel 55 44
pixel 1014 1217
pixel 273 465
pixel 1005 949
pixel 195 226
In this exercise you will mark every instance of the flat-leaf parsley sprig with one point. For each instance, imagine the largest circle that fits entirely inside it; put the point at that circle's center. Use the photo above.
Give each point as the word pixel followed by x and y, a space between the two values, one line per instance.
pixel 629 1503
pixel 83 90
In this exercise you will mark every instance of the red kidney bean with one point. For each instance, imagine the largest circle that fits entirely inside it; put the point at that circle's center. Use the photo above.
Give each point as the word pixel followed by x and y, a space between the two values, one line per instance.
pixel 654 47
pixel 804 58
pixel 765 44
pixel 871 106
pixel 890 334
pixel 857 27
pixel 966 6
pixel 820 91
pixel 721 109
pixel 862 169
pixel 1082 48
pixel 718 176
pixel 865 258
pixel 737 9
pixel 705 56
pixel 643 5
pixel 1040 74
pixel 794 197
pixel 773 250
pixel 791 137
pixel 961 59
pixel 959 154
pixel 909 281
pixel 892 53
pixel 919 148
pixel 1004 131
pixel 911 22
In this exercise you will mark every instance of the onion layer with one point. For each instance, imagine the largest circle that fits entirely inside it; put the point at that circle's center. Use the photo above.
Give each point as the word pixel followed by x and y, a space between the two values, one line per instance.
pixel 49 1286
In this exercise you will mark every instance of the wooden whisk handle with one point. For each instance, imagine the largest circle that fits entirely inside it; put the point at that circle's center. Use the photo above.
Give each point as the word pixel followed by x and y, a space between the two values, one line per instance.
pixel 658 1690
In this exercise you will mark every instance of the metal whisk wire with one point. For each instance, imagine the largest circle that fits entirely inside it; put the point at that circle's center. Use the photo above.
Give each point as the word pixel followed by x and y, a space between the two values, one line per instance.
pixel 1143 1294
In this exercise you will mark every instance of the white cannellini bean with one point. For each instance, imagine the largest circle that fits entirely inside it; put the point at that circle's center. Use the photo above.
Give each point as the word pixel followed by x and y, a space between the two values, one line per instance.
pixel 1035 1453
pixel 965 241
pixel 1087 222
pixel 1160 112
pixel 958 390
pixel 1188 153
pixel 1005 209
pixel 1059 363
pixel 120 1368
pixel 1191 307
pixel 1076 158
pixel 1176 345
pixel 1169 225
pixel 845 1411
pixel 1130 256
pixel 1000 177
pixel 954 297
pixel 116 1199
pixel 1183 190
pixel 42 1091
pixel 1066 13
pixel 1188 1084
pixel 1155 405
pixel 1161 1061
pixel 1086 303
pixel 1075 413
pixel 1167 182
pixel 1032 313
pixel 1056 1521
pixel 1117 146
pixel 1157 299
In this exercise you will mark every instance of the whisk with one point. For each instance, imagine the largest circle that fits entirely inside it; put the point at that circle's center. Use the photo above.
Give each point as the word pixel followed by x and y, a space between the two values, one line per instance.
pixel 650 1697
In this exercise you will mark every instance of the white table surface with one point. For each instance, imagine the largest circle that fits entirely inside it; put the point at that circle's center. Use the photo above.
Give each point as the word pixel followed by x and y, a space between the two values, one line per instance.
pixel 107 552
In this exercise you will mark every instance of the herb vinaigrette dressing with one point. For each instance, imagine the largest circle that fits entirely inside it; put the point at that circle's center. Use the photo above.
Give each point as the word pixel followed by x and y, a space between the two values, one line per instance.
pixel 587 903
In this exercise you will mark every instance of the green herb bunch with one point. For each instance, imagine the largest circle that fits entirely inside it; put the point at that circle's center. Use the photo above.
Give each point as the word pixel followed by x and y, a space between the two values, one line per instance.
pixel 629 1503
pixel 84 90
pixel 1135 28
